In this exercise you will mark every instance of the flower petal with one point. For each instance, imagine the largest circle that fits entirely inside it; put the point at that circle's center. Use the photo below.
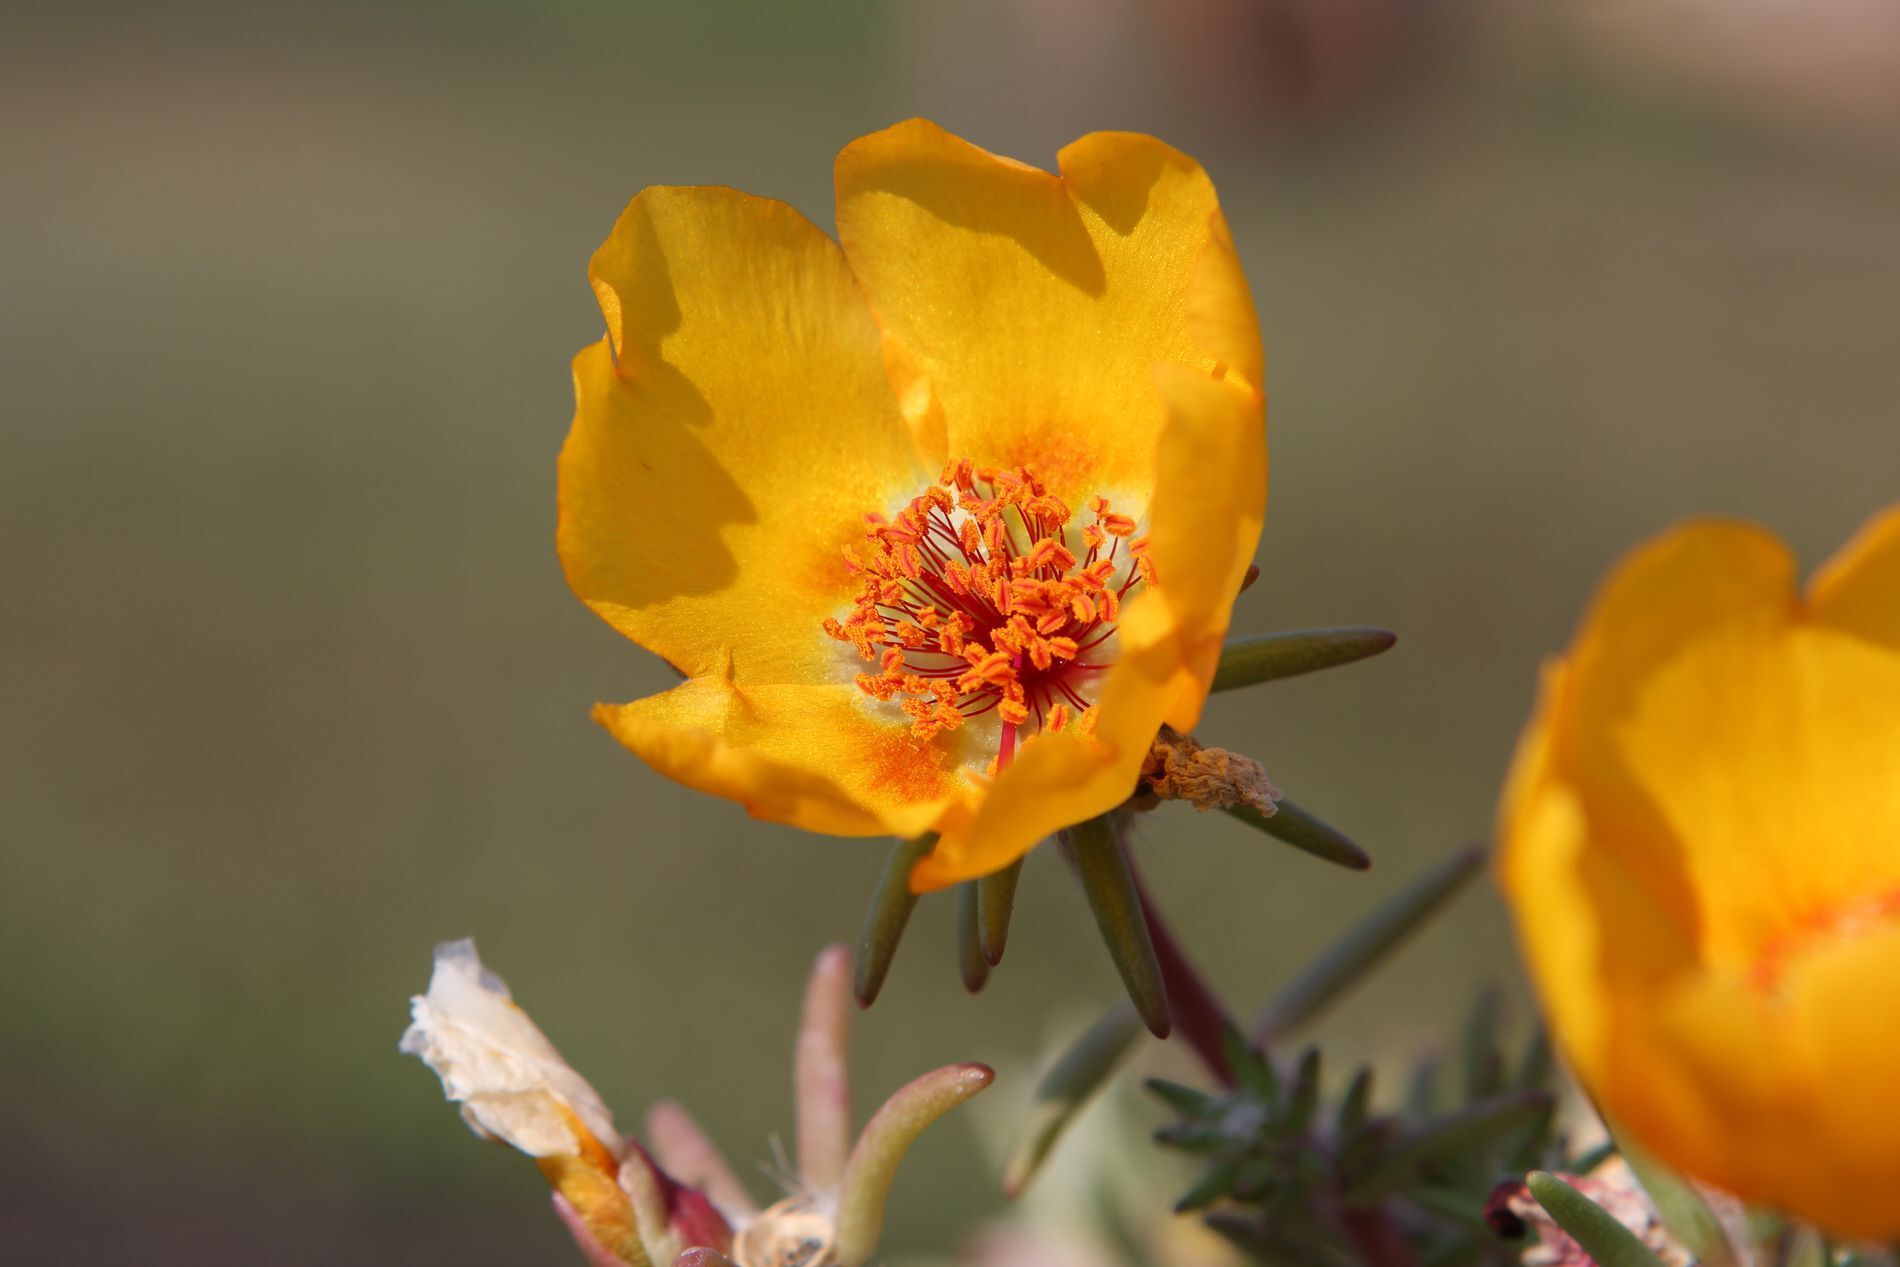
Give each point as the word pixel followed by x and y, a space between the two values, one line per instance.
pixel 1699 843
pixel 1060 779
pixel 713 475
pixel 1772 755
pixel 812 756
pixel 497 1064
pixel 1210 501
pixel 1859 588
pixel 1024 312
pixel 1846 1014
pixel 1660 600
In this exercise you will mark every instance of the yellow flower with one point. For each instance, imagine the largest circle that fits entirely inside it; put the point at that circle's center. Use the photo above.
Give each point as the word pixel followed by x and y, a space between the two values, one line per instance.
pixel 941 526
pixel 1701 845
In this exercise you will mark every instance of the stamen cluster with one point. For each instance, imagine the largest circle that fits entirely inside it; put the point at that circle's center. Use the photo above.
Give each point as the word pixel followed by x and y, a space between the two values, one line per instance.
pixel 975 598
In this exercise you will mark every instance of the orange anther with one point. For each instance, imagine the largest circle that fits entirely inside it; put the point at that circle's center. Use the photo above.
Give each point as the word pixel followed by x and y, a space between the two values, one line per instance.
pixel 970 537
pixel 992 624
pixel 1050 510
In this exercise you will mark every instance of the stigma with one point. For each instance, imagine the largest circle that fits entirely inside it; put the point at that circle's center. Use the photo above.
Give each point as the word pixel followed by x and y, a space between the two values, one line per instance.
pixel 988 594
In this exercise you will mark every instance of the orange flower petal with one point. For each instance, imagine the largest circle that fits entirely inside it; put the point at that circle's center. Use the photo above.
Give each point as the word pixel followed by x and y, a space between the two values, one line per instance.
pixel 1210 501
pixel 1659 599
pixel 1859 588
pixel 1700 839
pixel 1024 312
pixel 712 478
pixel 1060 779
pixel 812 756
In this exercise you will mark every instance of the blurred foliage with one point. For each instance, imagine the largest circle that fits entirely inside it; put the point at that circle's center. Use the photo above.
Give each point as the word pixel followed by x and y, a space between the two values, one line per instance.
pixel 1292 1177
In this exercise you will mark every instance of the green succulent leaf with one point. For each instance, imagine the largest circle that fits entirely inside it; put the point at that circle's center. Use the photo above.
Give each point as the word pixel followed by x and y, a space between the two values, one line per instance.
pixel 1246 661
pixel 996 901
pixel 1184 1100
pixel 972 964
pixel 891 905
pixel 1253 1069
pixel 1469 1130
pixel 1211 1187
pixel 1291 825
pixel 1601 1236
pixel 1109 886
pixel 1356 1105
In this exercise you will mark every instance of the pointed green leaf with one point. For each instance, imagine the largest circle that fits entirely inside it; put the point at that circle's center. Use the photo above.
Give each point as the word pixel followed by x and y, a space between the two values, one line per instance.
pixel 1070 1084
pixel 891 905
pixel 1303 1100
pixel 1471 1129
pixel 1601 1236
pixel 1357 1103
pixel 1246 661
pixel 1341 965
pixel 1242 1231
pixel 1184 1100
pixel 971 963
pixel 1679 1206
pixel 996 899
pixel 1533 1072
pixel 1211 1187
pixel 1110 888
pixel 1291 825
pixel 1195 1137
pixel 1483 1062
pixel 1253 1069
pixel 886 1138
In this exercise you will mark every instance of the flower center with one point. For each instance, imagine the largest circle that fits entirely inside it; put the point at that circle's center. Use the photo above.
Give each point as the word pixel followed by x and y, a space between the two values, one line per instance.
pixel 982 595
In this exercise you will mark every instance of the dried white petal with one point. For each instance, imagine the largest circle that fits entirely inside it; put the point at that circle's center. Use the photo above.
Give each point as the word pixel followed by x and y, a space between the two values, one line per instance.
pixel 496 1063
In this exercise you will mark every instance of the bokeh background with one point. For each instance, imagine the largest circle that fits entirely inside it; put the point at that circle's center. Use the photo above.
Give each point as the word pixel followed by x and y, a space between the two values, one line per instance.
pixel 290 686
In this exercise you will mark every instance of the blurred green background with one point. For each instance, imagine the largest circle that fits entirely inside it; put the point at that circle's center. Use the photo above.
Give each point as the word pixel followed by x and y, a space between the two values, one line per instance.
pixel 291 688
